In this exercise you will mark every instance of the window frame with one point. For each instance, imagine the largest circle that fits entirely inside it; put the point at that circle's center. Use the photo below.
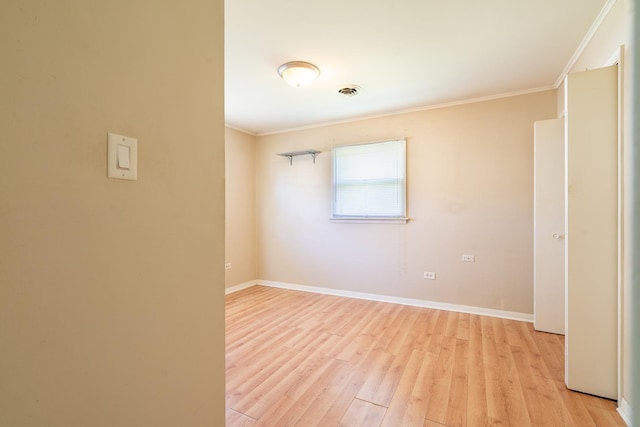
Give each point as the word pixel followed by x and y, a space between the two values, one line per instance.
pixel 401 219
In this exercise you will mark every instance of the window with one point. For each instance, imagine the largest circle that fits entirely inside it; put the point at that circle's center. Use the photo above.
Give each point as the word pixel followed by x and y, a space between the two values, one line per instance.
pixel 369 181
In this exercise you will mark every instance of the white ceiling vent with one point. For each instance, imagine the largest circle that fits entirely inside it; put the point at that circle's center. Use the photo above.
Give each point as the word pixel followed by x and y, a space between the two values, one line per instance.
pixel 351 90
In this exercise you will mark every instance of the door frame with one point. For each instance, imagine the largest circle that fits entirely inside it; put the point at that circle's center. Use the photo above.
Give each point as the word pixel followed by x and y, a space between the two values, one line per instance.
pixel 617 58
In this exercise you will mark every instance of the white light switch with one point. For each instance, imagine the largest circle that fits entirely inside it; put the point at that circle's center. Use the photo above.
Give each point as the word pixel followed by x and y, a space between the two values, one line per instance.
pixel 122 157
pixel 123 154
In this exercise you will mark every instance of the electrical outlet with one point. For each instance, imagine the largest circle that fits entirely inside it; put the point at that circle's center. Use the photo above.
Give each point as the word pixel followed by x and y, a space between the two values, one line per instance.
pixel 469 258
pixel 227 266
pixel 430 275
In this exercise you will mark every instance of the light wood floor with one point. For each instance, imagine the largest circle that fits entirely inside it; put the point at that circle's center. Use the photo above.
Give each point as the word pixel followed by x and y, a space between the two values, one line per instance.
pixel 303 359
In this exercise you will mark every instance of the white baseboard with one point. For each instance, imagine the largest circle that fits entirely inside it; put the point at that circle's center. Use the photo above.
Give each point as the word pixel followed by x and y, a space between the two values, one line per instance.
pixel 512 315
pixel 625 411
pixel 240 287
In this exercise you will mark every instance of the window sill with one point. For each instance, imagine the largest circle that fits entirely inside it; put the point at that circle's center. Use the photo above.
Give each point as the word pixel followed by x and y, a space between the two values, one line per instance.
pixel 365 220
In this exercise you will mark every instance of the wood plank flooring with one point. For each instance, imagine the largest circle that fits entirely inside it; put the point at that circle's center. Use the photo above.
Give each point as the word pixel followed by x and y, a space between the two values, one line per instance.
pixel 302 359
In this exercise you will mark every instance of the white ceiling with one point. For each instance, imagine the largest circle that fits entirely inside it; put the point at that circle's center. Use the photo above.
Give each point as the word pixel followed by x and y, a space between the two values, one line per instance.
pixel 405 54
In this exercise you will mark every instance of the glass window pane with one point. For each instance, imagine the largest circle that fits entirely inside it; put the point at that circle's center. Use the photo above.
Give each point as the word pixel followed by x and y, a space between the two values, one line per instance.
pixel 369 180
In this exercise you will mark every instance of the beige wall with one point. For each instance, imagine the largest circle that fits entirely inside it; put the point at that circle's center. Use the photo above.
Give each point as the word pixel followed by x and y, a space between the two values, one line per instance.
pixel 470 191
pixel 240 207
pixel 111 291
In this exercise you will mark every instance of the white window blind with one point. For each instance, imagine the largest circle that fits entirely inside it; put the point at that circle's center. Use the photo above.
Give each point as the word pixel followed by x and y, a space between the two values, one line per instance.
pixel 369 181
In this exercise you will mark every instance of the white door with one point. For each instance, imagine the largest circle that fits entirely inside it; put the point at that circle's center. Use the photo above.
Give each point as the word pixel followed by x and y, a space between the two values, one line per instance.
pixel 548 289
pixel 592 231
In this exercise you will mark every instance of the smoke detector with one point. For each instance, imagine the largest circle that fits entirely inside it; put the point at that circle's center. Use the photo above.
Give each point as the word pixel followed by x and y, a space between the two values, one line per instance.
pixel 351 90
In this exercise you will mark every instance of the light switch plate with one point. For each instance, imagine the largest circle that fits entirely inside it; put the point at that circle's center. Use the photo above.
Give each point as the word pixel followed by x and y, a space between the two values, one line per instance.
pixel 113 169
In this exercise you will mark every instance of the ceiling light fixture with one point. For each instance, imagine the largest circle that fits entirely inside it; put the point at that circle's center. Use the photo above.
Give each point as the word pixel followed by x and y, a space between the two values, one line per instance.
pixel 298 73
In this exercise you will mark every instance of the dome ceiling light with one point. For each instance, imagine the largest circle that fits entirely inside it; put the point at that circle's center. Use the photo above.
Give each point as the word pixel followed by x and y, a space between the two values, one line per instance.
pixel 298 73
